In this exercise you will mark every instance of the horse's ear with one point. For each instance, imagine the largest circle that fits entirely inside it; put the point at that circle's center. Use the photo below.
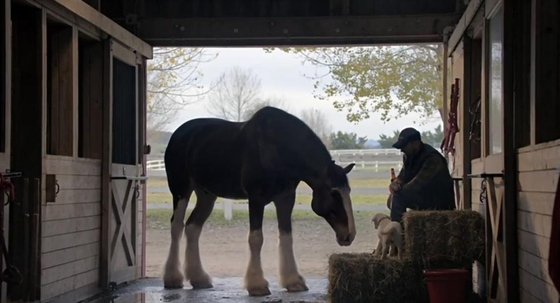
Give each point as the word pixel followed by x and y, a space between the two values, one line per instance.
pixel 348 168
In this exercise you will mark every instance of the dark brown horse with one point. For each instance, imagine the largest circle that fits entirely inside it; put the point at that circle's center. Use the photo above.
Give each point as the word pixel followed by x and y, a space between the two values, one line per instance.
pixel 262 160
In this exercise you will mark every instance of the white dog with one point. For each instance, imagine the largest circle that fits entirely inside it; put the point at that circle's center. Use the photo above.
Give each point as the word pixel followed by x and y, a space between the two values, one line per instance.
pixel 390 236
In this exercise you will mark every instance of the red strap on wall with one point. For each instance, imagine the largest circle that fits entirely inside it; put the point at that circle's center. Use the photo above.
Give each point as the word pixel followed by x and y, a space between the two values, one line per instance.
pixel 554 250
pixel 448 143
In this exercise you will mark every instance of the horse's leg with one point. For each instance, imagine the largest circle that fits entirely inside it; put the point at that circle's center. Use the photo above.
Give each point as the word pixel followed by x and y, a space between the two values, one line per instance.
pixel 194 271
pixel 288 271
pixel 255 283
pixel 172 277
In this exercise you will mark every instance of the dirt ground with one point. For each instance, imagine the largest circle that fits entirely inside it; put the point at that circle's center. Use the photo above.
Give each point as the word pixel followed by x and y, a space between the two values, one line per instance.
pixel 224 249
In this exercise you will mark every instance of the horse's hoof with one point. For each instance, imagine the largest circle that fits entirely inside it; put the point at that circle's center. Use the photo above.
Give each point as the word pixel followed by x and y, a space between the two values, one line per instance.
pixel 297 287
pixel 258 292
pixel 295 284
pixel 173 280
pixel 201 284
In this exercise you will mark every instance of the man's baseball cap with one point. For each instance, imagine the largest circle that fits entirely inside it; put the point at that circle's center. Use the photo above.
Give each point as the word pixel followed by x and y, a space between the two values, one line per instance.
pixel 406 136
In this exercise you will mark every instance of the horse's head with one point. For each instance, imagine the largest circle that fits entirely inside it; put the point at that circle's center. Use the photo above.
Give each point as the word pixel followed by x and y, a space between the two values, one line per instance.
pixel 331 200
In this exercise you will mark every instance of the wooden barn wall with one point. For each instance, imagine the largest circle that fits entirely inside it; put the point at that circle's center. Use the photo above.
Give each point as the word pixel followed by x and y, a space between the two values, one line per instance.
pixel 539 159
pixel 71 208
pixel 71 227
pixel 538 148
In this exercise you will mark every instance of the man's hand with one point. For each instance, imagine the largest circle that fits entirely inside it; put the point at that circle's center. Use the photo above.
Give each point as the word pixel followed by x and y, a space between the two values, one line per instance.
pixel 395 186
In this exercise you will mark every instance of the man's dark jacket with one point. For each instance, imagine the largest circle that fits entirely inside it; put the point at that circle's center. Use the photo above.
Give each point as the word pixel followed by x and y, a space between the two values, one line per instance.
pixel 426 175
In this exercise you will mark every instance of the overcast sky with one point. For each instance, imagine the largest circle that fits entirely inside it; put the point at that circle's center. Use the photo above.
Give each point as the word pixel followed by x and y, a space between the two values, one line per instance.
pixel 282 75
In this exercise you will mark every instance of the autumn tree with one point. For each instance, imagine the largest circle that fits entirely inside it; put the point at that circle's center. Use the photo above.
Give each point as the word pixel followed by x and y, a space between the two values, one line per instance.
pixel 390 80
pixel 319 124
pixel 173 82
pixel 235 94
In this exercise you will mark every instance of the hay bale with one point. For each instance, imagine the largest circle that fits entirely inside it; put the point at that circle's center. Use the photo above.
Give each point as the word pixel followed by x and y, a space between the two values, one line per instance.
pixel 362 278
pixel 456 236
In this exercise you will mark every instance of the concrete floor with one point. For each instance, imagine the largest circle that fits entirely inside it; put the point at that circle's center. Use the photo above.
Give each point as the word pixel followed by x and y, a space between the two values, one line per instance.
pixel 227 290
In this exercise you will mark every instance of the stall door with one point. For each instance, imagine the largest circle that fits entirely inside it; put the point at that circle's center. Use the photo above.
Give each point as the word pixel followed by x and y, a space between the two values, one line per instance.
pixel 122 164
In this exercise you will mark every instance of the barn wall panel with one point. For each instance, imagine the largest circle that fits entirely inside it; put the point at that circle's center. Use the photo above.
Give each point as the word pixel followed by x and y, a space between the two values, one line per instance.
pixel 71 227
pixel 537 186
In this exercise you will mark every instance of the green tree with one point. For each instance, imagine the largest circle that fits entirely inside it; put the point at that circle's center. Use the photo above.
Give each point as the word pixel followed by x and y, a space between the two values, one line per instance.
pixel 435 137
pixel 387 141
pixel 430 137
pixel 344 140
pixel 381 79
pixel 173 82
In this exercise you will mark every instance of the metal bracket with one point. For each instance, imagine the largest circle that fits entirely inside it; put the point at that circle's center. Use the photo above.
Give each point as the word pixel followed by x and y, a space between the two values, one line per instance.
pixel 485 175
pixel 11 175
pixel 134 178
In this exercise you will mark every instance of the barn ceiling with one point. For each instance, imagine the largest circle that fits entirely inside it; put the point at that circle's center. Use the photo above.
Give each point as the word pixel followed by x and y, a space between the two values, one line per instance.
pixel 284 22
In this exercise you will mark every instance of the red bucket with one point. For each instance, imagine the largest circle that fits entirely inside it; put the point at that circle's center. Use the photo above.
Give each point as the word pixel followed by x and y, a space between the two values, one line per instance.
pixel 447 285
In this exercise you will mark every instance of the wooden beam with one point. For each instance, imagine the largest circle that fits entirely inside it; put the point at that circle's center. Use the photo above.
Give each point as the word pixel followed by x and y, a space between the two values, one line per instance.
pixel 5 83
pixel 110 27
pixel 464 23
pixel 511 66
pixel 296 31
pixel 105 264
pixel 466 120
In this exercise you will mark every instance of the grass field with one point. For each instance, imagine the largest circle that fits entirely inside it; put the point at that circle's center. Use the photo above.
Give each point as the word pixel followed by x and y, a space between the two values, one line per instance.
pixel 354 183
pixel 160 218
pixel 301 199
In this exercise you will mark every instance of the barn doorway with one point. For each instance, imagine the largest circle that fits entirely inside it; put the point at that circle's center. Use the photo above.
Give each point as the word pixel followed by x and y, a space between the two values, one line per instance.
pixel 226 231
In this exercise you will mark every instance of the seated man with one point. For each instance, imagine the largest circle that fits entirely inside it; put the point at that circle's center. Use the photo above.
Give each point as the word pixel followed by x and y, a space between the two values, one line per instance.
pixel 424 182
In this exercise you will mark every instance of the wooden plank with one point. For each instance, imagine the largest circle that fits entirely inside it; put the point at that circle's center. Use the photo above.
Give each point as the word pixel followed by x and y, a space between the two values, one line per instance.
pixel 76 196
pixel 67 255
pixel 538 203
pixel 539 289
pixel 512 66
pixel 534 265
pixel 76 167
pixel 296 31
pixel 71 269
pixel 69 240
pixel 464 23
pixel 534 244
pixel 104 23
pixel 544 181
pixel 79 182
pixel 66 226
pixel 535 223
pixel 105 274
pixel 75 90
pixel 539 158
pixel 49 291
pixel 53 211
pixel 526 297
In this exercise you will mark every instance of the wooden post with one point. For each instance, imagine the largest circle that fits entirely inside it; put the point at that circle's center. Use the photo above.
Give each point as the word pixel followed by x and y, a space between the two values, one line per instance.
pixel 511 66
pixel 228 209
pixel 105 270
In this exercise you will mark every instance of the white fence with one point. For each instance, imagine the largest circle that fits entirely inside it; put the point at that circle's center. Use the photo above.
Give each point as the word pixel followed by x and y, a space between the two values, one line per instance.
pixel 373 165
pixel 342 157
